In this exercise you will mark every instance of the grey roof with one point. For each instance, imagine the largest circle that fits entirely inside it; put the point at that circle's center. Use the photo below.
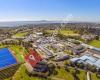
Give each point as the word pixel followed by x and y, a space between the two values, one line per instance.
pixel 96 49
pixel 74 59
pixel 97 63
pixel 87 59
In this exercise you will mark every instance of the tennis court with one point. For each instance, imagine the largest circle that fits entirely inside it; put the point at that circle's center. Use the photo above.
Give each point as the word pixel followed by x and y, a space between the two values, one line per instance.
pixel 6 58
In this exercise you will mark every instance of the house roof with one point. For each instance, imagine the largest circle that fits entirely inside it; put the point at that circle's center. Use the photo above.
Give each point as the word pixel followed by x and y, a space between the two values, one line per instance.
pixel 97 63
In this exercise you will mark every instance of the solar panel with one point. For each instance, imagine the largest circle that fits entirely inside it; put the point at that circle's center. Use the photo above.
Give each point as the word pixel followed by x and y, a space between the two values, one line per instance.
pixel 6 58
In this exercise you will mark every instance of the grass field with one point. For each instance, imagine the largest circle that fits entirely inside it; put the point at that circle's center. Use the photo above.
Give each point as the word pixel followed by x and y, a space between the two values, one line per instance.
pixel 19 52
pixel 20 34
pixel 3 46
pixel 65 32
pixel 95 43
pixel 94 77
pixel 64 75
pixel 82 75
pixel 22 75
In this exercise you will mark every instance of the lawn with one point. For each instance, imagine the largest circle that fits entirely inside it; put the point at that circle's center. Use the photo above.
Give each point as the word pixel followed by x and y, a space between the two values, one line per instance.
pixel 95 43
pixel 3 46
pixel 65 75
pixel 22 75
pixel 20 34
pixel 94 77
pixel 19 52
pixel 65 32
pixel 62 75
pixel 68 33
pixel 82 75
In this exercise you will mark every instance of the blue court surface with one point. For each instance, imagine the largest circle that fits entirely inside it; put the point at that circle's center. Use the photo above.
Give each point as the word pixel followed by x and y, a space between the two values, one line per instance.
pixel 6 58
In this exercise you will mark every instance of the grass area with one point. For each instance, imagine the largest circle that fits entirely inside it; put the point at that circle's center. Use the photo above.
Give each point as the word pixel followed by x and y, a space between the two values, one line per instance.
pixel 3 46
pixel 65 32
pixel 20 34
pixel 19 52
pixel 82 75
pixel 94 77
pixel 22 75
pixel 63 75
pixel 95 43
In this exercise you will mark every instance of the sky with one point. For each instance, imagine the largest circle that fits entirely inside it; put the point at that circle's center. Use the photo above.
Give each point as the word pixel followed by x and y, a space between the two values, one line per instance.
pixel 65 10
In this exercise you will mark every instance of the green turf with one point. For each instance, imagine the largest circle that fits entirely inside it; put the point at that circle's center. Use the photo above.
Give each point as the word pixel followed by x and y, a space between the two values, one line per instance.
pixel 82 75
pixel 63 75
pixel 95 43
pixel 19 52
pixel 94 77
pixel 8 79
pixel 65 32
pixel 20 34
pixel 22 75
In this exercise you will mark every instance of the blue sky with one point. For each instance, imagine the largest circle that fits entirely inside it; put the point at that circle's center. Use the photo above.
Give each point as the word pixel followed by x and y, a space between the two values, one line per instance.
pixel 71 10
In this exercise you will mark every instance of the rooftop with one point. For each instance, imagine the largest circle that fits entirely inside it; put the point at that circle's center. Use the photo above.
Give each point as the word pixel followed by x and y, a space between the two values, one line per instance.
pixel 87 59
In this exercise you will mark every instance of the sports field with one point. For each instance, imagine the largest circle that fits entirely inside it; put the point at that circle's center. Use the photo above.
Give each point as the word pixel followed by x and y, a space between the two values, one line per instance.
pixel 20 34
pixel 6 58
pixel 18 51
pixel 95 43
pixel 65 32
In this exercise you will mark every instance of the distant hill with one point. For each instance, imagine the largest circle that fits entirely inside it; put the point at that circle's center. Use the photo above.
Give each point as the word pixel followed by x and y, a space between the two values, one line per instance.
pixel 17 23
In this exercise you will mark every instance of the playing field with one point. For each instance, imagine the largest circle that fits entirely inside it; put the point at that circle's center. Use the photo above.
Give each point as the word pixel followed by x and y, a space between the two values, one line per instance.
pixel 20 34
pixel 95 43
pixel 65 32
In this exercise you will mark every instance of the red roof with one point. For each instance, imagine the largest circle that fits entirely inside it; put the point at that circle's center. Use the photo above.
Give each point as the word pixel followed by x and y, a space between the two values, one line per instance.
pixel 33 57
